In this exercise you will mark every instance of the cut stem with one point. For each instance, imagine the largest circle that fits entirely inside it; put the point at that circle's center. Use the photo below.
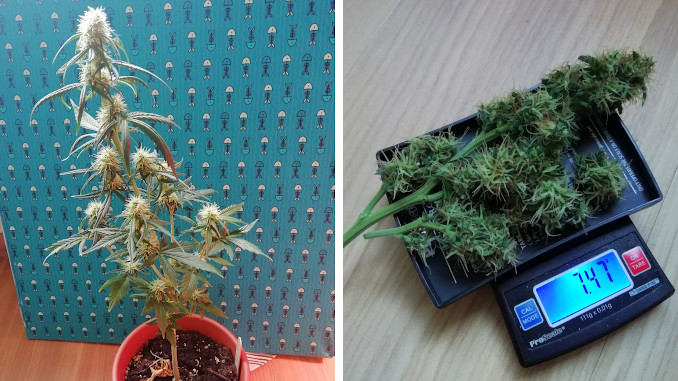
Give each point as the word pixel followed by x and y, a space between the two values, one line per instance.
pixel 422 195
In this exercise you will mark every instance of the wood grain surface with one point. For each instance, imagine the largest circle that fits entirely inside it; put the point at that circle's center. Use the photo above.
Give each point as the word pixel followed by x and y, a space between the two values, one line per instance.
pixel 413 66
pixel 41 360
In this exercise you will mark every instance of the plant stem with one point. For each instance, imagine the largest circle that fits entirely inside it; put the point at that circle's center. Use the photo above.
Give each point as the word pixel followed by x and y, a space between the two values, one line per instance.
pixel 380 193
pixel 422 195
pixel 394 231
pixel 175 361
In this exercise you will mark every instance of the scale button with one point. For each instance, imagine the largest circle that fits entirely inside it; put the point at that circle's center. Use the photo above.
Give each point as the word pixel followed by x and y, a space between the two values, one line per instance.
pixel 528 314
pixel 636 261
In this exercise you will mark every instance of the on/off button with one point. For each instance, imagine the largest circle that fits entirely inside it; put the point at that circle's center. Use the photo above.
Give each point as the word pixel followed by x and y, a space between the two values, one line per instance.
pixel 636 261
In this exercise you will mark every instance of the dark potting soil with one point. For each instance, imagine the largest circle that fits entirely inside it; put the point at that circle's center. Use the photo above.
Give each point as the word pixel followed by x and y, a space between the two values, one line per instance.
pixel 199 359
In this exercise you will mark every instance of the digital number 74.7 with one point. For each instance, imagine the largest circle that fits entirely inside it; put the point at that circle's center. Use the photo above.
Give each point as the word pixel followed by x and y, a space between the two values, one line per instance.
pixel 591 275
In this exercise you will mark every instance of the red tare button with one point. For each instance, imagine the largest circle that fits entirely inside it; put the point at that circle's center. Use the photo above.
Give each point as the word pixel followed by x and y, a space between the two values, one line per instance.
pixel 636 260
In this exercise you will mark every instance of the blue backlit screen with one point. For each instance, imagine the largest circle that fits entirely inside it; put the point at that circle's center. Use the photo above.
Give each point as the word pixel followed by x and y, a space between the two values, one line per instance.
pixel 583 287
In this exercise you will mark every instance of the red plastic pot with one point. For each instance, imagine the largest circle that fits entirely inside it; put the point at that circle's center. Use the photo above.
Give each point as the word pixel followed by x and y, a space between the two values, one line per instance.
pixel 208 327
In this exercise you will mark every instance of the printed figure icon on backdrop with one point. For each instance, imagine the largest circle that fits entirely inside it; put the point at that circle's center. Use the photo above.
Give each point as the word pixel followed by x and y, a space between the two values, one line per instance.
pixel 210 40
pixel 8 48
pixel 302 143
pixel 250 38
pixel 332 34
pixel 267 93
pixel 224 121
pixel 129 12
pixel 205 122
pixel 43 49
pixel 287 97
pixel 307 92
pixel 243 192
pixel 191 97
pixel 321 116
pixel 154 42
pixel 286 64
pixel 264 145
pixel 290 8
pixel 248 9
pixel 172 48
pixel 328 60
pixel 292 40
pixel 328 92
pixel 227 146
pixel 311 6
pixel 245 67
pixel 154 95
pixel 191 41
pixel 306 59
pixel 27 77
pixel 301 114
pixel 10 80
pixel 168 13
pixel 261 188
pixel 19 24
pixel 243 121
pixel 148 10
pixel 206 64
pixel 207 5
pixel 265 65
pixel 229 95
pixel 271 36
pixel 248 94
pixel 241 169
pixel 187 69
pixel 135 45
pixel 169 66
pixel 314 30
pixel 205 170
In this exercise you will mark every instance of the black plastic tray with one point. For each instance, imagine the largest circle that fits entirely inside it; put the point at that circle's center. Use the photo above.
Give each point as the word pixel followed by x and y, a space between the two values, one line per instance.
pixel 603 133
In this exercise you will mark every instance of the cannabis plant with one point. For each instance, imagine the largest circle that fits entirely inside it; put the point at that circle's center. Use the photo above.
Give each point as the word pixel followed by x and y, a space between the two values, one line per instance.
pixel 510 176
pixel 160 266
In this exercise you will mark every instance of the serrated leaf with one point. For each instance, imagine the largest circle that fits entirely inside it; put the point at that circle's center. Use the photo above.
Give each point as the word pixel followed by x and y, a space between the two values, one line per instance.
pixel 52 95
pixel 81 107
pixel 192 261
pixel 131 81
pixel 73 60
pixel 73 37
pixel 246 228
pixel 130 66
pixel 87 121
pixel 159 142
pixel 118 291
pixel 211 308
pixel 221 261
pixel 152 118
pixel 246 245
pixel 189 283
pixel 168 271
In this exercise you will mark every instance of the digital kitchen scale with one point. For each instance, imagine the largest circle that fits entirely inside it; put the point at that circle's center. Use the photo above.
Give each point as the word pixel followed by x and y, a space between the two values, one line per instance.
pixel 573 288
pixel 593 286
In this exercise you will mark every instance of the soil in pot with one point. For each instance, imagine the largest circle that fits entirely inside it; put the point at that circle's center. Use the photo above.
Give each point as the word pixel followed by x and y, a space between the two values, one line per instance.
pixel 200 358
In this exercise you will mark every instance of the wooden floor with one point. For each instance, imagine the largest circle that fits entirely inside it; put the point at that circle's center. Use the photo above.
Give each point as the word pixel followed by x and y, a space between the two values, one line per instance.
pixel 37 360
pixel 412 66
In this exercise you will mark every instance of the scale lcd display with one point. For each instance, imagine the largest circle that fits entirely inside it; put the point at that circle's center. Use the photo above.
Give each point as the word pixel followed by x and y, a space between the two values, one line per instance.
pixel 582 287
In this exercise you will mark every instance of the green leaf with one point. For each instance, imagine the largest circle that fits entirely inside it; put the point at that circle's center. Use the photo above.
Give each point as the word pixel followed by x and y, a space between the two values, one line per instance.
pixel 118 291
pixel 246 245
pixel 211 308
pixel 81 107
pixel 152 118
pixel 230 251
pixel 168 271
pixel 54 94
pixel 73 37
pixel 74 59
pixel 138 68
pixel 126 145
pixel 193 261
pixel 244 229
pixel 221 261
pixel 189 283
pixel 184 218
pixel 159 142
pixel 87 121
pixel 161 318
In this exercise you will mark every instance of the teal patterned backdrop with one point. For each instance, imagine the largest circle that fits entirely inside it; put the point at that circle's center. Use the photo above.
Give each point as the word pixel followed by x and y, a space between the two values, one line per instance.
pixel 253 88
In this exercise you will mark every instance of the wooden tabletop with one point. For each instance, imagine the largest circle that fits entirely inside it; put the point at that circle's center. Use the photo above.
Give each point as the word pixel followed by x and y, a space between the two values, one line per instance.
pixel 32 360
pixel 413 66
